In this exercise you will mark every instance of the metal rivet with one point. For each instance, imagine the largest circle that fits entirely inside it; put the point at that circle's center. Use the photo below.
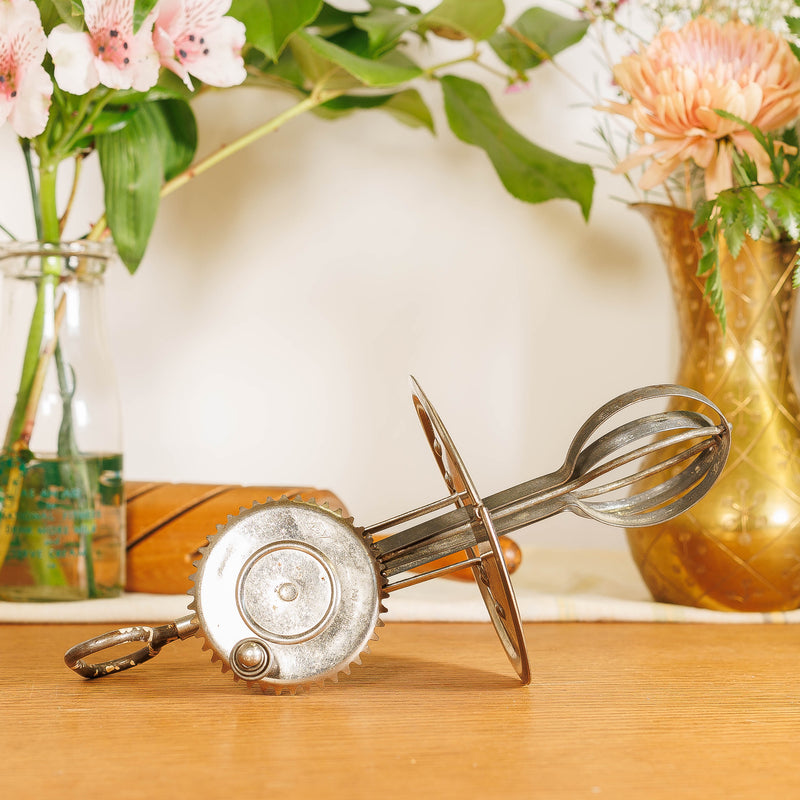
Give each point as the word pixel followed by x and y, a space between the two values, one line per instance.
pixel 250 659
pixel 288 592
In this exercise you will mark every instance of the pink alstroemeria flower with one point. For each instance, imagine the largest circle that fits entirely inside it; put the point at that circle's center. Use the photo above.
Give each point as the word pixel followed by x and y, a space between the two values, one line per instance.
pixel 108 53
pixel 194 37
pixel 25 87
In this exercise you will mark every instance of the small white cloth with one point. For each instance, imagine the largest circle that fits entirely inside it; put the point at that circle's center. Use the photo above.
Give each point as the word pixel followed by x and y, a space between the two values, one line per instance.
pixel 551 586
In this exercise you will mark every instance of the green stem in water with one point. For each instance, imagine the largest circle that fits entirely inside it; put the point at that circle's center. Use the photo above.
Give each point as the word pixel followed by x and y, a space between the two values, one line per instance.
pixel 73 470
pixel 35 362
pixel 48 222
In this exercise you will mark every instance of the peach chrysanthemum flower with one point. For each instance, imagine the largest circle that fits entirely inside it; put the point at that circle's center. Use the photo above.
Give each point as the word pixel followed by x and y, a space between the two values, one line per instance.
pixel 679 80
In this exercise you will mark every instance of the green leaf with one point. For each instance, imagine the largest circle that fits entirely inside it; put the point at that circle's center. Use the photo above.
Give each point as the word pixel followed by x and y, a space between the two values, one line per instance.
pixel 393 5
pixel 703 213
pixel 141 8
pixel 527 171
pixel 729 218
pixel 285 69
pixel 407 106
pixel 708 265
pixel 785 202
pixel 176 128
pixel 318 70
pixel 354 41
pixel 384 28
pixel 132 173
pixel 331 21
pixel 767 141
pixel 754 213
pixel 710 256
pixel 730 207
pixel 793 23
pixel 540 35
pixel 735 236
pixel 54 12
pixel 370 72
pixel 472 19
pixel 270 23
pixel 716 297
pixel 109 120
pixel 748 166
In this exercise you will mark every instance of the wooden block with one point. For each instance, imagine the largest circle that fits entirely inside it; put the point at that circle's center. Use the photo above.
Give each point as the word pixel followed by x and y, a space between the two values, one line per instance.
pixel 167 523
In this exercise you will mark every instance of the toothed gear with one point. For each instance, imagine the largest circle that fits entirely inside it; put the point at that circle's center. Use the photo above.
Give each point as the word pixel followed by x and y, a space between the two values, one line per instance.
pixel 288 594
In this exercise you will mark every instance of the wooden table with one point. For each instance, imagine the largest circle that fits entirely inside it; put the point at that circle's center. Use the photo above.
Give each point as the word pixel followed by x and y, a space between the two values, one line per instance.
pixel 615 710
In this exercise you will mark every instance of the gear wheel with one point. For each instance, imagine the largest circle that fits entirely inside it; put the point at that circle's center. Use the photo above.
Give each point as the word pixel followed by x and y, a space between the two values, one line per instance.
pixel 288 594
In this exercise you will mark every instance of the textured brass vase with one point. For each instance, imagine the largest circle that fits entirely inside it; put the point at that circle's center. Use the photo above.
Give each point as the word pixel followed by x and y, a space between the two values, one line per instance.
pixel 738 548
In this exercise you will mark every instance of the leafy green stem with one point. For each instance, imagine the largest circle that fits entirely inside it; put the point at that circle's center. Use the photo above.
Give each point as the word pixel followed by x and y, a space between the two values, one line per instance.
pixel 37 211
pixel 73 191
pixel 73 470
pixel 84 124
pixel 316 98
pixel 545 56
pixel 430 72
pixel 80 118
pixel 312 101
pixel 36 359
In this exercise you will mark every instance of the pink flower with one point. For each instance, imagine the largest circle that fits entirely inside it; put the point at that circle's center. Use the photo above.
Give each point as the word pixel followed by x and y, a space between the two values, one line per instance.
pixel 108 53
pixel 25 87
pixel 194 37
pixel 679 80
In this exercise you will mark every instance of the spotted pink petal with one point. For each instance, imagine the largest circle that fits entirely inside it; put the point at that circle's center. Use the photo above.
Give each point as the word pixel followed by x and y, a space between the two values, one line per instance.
pixel 194 37
pixel 107 53
pixel 25 87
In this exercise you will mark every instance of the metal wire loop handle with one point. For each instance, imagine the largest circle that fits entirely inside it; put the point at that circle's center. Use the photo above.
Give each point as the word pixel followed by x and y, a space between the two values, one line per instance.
pixel 155 639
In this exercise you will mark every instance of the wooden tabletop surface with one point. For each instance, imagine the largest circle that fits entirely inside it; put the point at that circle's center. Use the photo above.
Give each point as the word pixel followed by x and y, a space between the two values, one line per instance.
pixel 614 710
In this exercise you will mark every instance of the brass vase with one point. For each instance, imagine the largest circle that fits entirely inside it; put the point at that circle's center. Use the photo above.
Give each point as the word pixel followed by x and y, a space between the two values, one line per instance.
pixel 738 548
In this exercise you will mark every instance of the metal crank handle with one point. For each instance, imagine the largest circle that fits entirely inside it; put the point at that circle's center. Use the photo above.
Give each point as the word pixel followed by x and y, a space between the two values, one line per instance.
pixel 155 639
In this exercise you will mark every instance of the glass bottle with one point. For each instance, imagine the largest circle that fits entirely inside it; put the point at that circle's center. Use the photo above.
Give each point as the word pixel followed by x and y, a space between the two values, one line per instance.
pixel 62 530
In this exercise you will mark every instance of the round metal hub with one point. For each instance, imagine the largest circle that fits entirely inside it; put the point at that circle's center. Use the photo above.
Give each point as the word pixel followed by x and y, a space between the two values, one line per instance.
pixel 287 594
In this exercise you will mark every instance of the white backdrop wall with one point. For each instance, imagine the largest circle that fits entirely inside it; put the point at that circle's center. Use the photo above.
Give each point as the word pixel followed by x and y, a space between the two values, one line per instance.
pixel 287 294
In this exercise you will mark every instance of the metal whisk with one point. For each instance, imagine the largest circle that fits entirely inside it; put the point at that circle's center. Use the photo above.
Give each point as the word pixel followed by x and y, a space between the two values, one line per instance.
pixel 288 593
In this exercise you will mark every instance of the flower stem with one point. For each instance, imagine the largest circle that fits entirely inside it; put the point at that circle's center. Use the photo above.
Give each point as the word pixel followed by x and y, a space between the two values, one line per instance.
pixel 545 56
pixel 37 212
pixel 36 359
pixel 49 224
pixel 62 223
pixel 430 72
pixel 83 118
pixel 316 98
pixel 312 101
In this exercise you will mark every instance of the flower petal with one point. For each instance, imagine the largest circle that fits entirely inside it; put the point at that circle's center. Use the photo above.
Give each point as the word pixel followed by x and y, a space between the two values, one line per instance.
pixel 29 113
pixel 719 172
pixel 222 64
pixel 194 37
pixel 75 70
pixel 675 84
